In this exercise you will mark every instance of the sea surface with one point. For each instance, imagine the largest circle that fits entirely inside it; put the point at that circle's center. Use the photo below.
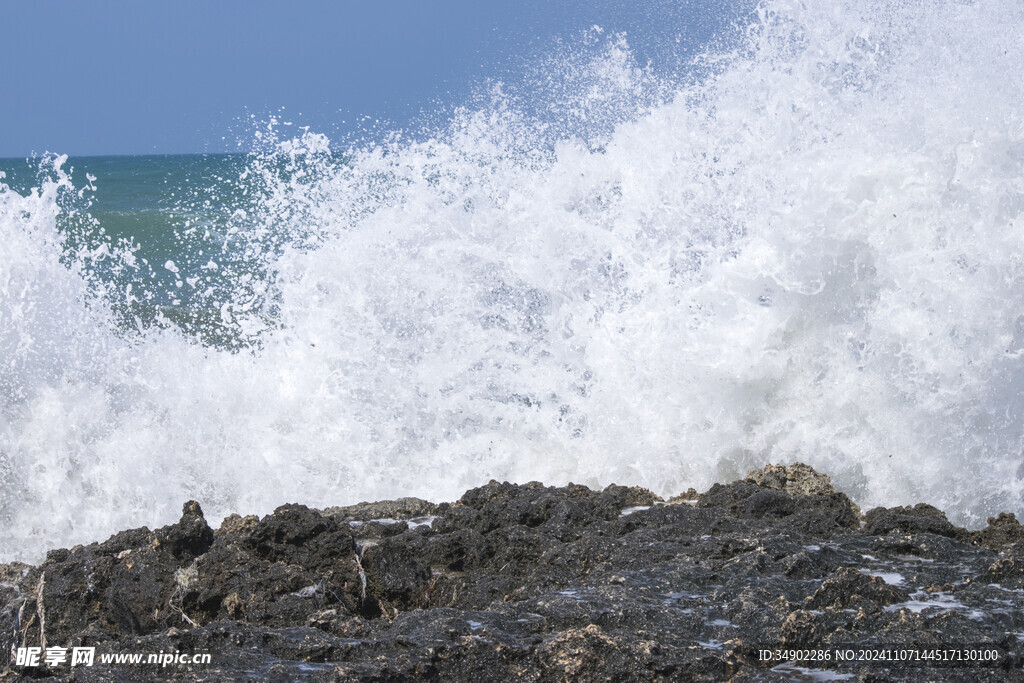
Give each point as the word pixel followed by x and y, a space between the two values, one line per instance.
pixel 806 245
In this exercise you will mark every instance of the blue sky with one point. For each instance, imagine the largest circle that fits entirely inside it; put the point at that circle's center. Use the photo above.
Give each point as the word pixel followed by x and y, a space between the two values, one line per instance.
pixel 134 77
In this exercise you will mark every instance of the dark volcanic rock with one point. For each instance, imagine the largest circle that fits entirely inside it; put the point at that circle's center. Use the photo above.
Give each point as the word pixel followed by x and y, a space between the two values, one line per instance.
pixel 1002 532
pixel 534 583
pixel 396 575
pixel 798 494
pixel 277 571
pixel 401 509
pixel 848 587
pixel 921 518
pixel 122 587
pixel 1008 570
pixel 190 537
pixel 797 480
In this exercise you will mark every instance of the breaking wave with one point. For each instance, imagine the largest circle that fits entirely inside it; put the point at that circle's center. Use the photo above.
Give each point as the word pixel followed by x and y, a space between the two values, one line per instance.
pixel 807 246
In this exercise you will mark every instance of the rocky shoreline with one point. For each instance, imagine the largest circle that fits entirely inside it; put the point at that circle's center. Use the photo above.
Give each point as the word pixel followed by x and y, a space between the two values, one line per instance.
pixel 537 583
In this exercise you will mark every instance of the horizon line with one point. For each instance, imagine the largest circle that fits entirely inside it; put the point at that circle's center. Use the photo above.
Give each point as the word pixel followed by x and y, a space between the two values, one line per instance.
pixel 41 155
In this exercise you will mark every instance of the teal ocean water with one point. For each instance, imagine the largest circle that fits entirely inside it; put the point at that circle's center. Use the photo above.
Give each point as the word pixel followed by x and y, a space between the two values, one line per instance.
pixel 805 246
pixel 178 216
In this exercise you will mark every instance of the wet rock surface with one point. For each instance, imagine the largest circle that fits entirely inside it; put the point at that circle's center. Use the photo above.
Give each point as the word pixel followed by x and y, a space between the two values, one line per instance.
pixel 534 583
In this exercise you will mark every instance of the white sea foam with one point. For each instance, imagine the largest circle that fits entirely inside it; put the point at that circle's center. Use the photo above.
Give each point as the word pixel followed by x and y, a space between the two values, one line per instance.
pixel 812 250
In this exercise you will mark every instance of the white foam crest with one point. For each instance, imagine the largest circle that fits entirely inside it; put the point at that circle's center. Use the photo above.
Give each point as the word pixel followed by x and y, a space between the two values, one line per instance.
pixel 47 331
pixel 812 252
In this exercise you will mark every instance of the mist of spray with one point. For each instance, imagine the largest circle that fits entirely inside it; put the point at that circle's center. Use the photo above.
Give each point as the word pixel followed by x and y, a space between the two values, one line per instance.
pixel 807 247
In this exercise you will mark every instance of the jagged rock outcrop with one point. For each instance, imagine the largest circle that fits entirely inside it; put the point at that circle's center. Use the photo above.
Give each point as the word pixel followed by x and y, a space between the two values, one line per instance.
pixel 535 583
